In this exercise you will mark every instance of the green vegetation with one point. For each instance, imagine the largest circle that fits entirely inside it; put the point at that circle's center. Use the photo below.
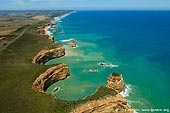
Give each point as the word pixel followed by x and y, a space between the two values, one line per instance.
pixel 17 73
pixel 14 34
pixel 66 106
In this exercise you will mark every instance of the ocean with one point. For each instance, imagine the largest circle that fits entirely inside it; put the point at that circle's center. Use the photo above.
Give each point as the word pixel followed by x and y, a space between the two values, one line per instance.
pixel 138 42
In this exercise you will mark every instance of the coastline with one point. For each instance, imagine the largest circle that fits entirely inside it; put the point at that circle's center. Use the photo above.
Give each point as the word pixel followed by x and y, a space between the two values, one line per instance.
pixel 18 73
pixel 123 93
pixel 24 98
pixel 58 20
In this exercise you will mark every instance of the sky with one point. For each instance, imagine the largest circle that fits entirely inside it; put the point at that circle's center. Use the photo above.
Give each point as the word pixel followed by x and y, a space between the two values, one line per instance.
pixel 85 4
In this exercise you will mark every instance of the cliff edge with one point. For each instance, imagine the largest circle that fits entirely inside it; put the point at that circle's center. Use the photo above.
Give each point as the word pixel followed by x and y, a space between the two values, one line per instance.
pixel 45 55
pixel 50 76
pixel 109 103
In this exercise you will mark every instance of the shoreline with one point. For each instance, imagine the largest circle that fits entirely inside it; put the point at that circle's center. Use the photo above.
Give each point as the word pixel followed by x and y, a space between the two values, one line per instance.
pixel 56 20
pixel 45 55
pixel 24 98
pixel 123 93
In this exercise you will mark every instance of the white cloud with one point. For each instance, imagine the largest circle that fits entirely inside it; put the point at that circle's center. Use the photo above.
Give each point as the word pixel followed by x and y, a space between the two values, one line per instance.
pixel 18 1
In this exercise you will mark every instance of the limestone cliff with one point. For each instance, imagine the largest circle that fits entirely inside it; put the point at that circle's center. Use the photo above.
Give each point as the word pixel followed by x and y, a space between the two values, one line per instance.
pixel 72 43
pixel 46 55
pixel 51 75
pixel 51 38
pixel 109 104
pixel 42 29
pixel 115 82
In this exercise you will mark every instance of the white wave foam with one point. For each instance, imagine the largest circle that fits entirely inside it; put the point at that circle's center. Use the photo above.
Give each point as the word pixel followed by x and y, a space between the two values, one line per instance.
pixel 58 19
pixel 56 41
pixel 48 33
pixel 67 40
pixel 56 89
pixel 91 70
pixel 76 46
pixel 136 102
pixel 103 64
pixel 126 91
pixel 135 111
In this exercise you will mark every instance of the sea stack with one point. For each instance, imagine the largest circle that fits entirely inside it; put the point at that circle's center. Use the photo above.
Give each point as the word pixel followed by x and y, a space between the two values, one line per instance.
pixel 50 76
pixel 62 31
pixel 72 43
pixel 54 30
pixel 115 82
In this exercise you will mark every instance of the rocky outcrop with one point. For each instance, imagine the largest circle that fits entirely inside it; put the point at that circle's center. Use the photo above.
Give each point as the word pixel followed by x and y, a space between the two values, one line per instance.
pixel 110 104
pixel 54 23
pixel 115 82
pixel 51 38
pixel 72 43
pixel 51 75
pixel 54 30
pixel 62 31
pixel 42 29
pixel 46 55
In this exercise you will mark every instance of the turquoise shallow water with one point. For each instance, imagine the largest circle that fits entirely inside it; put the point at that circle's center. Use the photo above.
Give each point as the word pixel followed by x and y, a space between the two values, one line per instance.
pixel 137 41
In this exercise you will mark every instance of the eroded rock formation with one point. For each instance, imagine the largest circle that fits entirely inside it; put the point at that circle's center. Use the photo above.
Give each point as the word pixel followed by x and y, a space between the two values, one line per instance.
pixel 72 43
pixel 42 29
pixel 51 38
pixel 62 31
pixel 46 55
pixel 51 75
pixel 110 104
pixel 54 30
pixel 115 82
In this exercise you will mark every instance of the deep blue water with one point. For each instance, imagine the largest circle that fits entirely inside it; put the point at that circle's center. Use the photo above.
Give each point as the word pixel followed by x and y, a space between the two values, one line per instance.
pixel 138 41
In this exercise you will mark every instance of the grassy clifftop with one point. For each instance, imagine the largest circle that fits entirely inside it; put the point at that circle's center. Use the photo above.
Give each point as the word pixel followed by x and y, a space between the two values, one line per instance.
pixel 17 74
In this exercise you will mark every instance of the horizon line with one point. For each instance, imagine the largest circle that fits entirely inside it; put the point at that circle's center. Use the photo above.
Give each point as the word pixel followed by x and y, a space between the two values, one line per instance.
pixel 84 9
